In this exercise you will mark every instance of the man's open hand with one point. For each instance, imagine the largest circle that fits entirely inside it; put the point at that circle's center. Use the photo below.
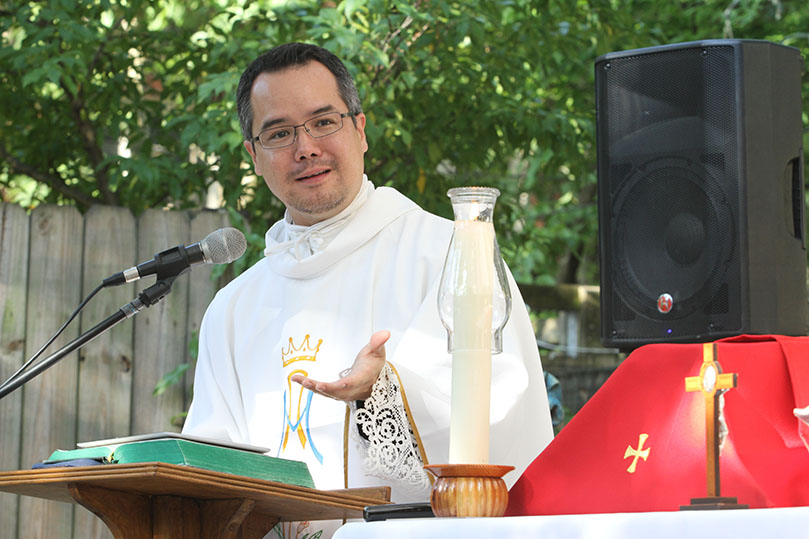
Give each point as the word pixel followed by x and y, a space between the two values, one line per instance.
pixel 354 383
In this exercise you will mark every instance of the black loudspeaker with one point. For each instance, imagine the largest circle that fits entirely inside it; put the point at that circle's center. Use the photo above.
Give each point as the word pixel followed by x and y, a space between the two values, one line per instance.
pixel 700 192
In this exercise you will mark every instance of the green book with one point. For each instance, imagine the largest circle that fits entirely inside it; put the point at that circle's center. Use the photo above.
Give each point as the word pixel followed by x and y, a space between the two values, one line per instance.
pixel 184 452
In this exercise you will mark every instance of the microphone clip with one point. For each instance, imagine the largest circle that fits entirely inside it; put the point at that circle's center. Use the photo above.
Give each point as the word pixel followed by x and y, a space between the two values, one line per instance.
pixel 172 262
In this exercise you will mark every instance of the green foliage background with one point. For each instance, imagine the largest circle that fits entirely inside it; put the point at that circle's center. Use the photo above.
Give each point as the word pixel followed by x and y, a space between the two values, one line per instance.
pixel 131 102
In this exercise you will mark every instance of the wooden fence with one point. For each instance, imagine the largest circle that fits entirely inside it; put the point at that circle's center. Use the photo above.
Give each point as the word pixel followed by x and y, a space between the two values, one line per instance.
pixel 51 259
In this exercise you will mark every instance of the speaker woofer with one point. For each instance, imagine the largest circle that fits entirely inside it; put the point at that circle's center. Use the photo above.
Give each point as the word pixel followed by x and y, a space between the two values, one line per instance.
pixel 674 233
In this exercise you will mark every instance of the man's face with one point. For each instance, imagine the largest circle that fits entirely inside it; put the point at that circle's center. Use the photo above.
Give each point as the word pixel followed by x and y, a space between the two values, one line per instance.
pixel 315 178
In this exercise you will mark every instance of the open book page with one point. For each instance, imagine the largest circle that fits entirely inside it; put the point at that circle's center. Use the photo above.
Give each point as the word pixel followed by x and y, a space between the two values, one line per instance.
pixel 112 443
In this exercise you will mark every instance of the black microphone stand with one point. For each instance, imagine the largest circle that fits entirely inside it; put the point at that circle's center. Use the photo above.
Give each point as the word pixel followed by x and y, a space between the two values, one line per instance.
pixel 146 298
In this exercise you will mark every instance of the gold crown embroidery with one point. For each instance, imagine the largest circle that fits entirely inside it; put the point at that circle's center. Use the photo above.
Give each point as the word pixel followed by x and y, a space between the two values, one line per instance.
pixel 304 352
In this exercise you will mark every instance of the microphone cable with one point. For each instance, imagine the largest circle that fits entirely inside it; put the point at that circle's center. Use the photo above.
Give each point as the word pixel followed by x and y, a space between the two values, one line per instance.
pixel 219 247
pixel 33 358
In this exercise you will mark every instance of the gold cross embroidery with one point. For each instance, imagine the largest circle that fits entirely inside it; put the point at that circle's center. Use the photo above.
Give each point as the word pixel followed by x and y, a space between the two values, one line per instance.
pixel 637 453
pixel 712 383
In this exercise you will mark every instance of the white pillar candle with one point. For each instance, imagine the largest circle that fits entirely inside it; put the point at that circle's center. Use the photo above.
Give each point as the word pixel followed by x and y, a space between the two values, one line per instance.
pixel 471 343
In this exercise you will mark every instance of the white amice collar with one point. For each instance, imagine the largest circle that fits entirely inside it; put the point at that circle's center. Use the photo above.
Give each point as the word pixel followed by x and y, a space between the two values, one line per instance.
pixel 304 241
pixel 306 252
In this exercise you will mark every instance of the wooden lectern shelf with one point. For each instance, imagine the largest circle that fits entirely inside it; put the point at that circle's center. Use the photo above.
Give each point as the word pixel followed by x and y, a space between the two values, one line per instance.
pixel 138 501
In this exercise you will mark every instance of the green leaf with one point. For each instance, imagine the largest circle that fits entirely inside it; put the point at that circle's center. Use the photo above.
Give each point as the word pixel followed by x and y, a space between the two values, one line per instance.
pixel 35 76
pixel 348 7
pixel 170 379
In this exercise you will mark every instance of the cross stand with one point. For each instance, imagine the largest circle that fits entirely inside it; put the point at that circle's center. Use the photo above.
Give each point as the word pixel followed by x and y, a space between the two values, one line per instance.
pixel 712 383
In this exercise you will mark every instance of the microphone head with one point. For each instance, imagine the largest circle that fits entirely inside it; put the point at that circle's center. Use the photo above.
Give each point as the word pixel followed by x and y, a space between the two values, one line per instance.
pixel 223 246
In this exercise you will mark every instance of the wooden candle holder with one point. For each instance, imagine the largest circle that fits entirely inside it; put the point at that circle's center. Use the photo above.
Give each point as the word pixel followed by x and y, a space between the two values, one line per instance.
pixel 469 490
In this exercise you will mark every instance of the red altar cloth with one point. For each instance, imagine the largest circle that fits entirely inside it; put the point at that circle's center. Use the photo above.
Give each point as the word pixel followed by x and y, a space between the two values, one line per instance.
pixel 764 462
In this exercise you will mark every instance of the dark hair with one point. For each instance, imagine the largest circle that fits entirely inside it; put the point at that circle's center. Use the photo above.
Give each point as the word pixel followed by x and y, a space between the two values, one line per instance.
pixel 286 56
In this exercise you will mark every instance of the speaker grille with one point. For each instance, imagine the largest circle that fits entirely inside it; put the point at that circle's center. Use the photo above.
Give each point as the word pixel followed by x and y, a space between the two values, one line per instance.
pixel 673 228
pixel 669 164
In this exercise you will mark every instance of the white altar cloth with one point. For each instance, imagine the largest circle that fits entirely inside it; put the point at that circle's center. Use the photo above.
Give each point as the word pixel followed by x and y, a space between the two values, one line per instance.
pixel 783 523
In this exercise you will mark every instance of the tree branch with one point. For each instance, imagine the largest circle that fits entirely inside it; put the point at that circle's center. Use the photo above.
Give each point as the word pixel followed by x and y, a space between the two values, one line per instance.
pixel 92 65
pixel 398 51
pixel 91 146
pixel 87 132
pixel 397 57
pixel 54 182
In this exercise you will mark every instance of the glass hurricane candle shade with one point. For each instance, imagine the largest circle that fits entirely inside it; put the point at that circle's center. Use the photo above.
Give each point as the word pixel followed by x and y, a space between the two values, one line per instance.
pixel 474 299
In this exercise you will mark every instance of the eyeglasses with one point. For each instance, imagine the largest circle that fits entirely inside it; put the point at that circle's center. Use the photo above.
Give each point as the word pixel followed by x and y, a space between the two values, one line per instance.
pixel 320 126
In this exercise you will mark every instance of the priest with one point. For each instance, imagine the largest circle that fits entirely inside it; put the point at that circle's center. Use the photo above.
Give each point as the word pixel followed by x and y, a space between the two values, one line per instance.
pixel 330 350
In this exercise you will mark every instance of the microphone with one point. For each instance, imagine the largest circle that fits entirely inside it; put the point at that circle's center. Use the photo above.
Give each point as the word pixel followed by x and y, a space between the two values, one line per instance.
pixel 219 247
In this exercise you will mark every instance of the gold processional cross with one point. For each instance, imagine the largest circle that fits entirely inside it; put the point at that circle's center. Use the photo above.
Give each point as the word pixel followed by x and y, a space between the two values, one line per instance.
pixel 712 383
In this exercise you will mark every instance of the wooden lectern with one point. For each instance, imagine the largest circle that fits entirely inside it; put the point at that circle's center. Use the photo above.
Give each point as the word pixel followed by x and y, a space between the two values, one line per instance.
pixel 154 499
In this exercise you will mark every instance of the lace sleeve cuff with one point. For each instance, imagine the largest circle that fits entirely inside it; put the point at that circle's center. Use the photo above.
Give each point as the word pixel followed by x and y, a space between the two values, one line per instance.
pixel 386 435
